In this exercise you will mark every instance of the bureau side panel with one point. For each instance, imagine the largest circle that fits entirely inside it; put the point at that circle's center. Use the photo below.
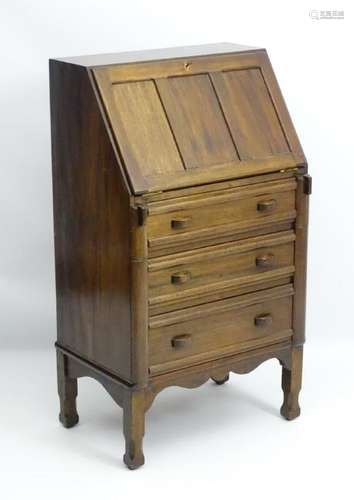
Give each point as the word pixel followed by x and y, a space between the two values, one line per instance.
pixel 91 220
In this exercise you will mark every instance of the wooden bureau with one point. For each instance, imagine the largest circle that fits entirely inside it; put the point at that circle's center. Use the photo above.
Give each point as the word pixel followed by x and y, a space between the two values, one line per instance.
pixel 180 213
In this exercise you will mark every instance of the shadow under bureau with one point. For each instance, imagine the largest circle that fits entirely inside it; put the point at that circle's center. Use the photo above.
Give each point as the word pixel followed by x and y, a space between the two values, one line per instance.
pixel 180 211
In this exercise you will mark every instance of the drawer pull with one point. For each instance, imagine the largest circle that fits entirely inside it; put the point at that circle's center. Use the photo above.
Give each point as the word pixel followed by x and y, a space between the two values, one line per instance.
pixel 263 320
pixel 181 223
pixel 265 261
pixel 181 341
pixel 180 278
pixel 266 205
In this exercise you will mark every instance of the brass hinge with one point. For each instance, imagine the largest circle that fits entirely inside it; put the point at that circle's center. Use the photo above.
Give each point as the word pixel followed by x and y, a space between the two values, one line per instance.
pixel 142 214
pixel 307 184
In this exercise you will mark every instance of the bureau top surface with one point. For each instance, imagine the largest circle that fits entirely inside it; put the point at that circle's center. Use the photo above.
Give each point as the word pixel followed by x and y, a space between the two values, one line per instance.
pixel 155 54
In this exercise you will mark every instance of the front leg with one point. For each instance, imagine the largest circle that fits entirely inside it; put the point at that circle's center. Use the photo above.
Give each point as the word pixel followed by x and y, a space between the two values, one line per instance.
pixel 291 385
pixel 134 428
pixel 67 390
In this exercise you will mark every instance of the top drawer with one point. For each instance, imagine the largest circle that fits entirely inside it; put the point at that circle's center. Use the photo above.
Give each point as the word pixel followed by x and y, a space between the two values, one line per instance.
pixel 200 219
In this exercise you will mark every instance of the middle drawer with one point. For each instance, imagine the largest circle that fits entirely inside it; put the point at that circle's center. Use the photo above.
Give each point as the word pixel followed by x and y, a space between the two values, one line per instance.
pixel 219 271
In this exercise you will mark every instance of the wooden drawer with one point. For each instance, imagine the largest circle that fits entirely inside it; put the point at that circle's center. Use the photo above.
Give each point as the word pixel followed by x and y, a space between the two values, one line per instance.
pixel 219 329
pixel 197 220
pixel 220 271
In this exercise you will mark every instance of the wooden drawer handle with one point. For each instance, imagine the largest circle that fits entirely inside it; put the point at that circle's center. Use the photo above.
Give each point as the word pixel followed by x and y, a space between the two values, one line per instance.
pixel 181 277
pixel 181 223
pixel 263 320
pixel 266 205
pixel 181 341
pixel 265 260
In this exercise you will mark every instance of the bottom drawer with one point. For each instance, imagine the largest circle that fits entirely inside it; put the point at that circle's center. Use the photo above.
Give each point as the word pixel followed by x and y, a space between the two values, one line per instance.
pixel 219 329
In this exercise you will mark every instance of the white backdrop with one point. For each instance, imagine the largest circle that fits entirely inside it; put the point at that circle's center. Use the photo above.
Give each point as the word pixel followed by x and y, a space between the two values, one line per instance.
pixel 312 60
pixel 211 441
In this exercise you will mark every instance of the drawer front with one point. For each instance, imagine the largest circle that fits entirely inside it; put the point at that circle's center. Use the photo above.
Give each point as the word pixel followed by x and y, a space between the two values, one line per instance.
pixel 203 219
pixel 200 275
pixel 217 330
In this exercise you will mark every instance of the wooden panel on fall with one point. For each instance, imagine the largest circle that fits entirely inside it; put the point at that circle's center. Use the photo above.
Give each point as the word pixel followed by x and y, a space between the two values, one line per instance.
pixel 208 117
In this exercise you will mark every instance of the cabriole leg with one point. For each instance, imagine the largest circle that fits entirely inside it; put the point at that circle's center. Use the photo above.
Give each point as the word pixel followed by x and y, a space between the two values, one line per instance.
pixel 291 385
pixel 67 390
pixel 134 428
